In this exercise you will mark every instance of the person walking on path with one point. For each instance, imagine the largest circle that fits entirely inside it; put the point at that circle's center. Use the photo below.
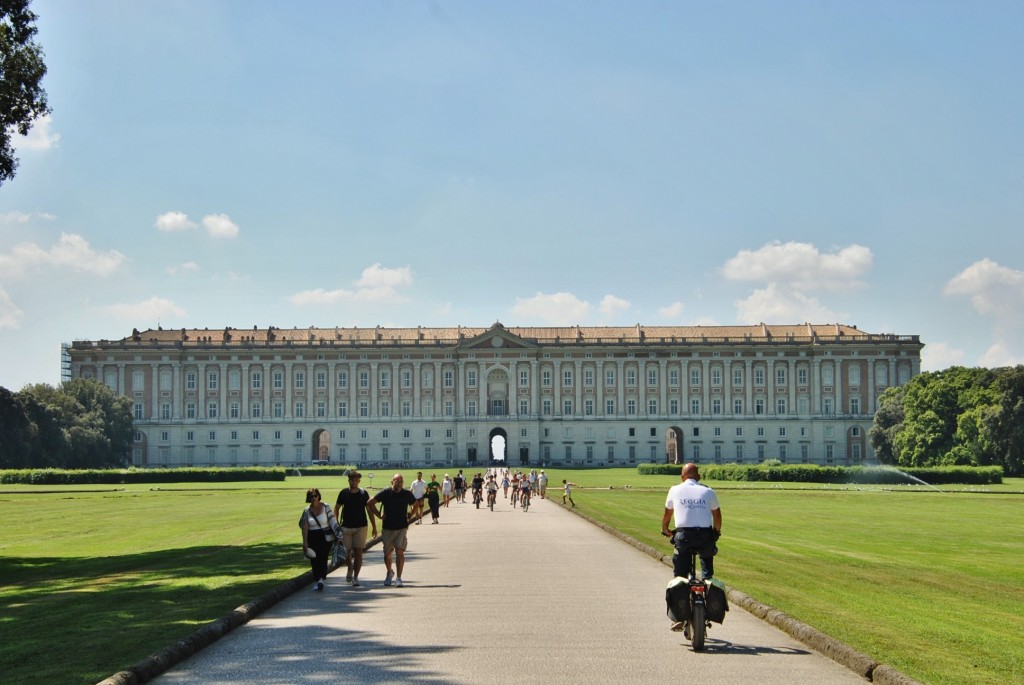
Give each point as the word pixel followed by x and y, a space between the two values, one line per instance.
pixel 318 531
pixel 419 489
pixel 542 484
pixel 434 498
pixel 698 523
pixel 446 489
pixel 567 492
pixel 395 503
pixel 354 508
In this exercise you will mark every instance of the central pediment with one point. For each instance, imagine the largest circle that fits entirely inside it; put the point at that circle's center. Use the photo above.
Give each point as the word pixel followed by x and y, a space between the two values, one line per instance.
pixel 497 338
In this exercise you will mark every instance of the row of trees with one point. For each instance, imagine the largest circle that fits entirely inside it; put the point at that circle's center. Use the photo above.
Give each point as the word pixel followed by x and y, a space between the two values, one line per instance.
pixel 958 416
pixel 80 424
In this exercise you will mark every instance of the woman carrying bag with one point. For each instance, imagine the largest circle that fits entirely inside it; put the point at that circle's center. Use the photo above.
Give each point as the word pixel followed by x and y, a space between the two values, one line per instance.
pixel 318 532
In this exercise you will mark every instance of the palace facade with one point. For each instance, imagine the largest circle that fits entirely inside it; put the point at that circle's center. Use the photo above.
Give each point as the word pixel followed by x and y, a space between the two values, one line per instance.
pixel 448 397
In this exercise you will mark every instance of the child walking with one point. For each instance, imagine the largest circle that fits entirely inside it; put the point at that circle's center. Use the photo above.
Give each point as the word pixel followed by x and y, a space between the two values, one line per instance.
pixel 567 493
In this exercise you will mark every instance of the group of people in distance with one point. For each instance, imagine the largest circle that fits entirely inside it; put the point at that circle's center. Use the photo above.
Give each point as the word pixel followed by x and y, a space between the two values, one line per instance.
pixel 355 514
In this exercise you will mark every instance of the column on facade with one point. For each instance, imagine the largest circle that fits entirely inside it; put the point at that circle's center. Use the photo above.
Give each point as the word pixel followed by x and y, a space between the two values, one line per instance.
pixel 663 385
pixel 620 407
pixel 417 386
pixel 177 396
pixel 870 408
pixel 840 410
pixel 705 382
pixel 791 405
pixel 222 391
pixel 374 389
pixel 578 380
pixel 332 389
pixel 246 399
pixel 122 386
pixel 437 390
pixel 748 383
pixel 816 386
pixel 288 399
pixel 599 388
pixel 769 386
pixel 684 388
pixel 201 383
pixel 154 390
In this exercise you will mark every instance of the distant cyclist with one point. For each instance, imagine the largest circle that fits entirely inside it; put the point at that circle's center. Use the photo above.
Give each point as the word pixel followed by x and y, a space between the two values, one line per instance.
pixel 505 483
pixel 524 492
pixel 492 491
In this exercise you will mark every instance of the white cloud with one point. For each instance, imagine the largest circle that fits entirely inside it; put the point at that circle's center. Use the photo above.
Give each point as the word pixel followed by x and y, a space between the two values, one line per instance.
pixel 153 309
pixel 938 356
pixel 558 309
pixel 612 307
pixel 791 272
pixel 801 266
pixel 673 312
pixel 377 276
pixel 187 267
pixel 24 217
pixel 39 137
pixel 220 226
pixel 72 251
pixel 10 314
pixel 377 284
pixel 996 292
pixel 773 304
pixel 170 222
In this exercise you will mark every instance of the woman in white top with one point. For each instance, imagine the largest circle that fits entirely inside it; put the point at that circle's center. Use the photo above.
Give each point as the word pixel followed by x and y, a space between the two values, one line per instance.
pixel 447 488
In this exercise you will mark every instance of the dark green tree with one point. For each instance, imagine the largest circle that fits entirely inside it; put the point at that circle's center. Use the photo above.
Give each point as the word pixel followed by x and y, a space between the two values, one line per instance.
pixel 22 98
pixel 887 424
pixel 1008 425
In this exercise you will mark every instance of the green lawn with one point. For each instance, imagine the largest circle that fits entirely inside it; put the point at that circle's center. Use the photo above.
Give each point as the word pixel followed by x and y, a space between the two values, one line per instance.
pixel 929 582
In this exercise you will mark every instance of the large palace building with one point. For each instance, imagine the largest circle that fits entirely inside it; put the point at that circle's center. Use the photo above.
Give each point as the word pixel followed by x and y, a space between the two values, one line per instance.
pixel 578 396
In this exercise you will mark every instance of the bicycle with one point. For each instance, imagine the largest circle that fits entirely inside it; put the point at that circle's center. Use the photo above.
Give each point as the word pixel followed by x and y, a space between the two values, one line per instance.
pixel 491 496
pixel 515 497
pixel 525 497
pixel 477 497
pixel 694 613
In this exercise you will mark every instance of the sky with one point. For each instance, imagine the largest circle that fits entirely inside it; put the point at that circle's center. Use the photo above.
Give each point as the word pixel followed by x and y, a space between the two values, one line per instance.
pixel 213 163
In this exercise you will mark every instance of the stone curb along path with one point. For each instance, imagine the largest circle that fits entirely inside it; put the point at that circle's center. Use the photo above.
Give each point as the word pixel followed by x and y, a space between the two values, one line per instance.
pixel 858 662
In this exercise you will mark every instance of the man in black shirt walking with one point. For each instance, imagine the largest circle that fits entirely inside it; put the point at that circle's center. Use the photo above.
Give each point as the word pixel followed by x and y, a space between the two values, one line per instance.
pixel 395 503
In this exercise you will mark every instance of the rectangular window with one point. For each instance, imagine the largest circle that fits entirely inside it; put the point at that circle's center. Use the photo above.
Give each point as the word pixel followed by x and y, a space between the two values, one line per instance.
pixel 234 411
pixel 364 379
pixel 406 408
pixel 545 378
pixel 471 378
pixel 211 380
pixel 524 378
pixel 588 407
pixel 760 453
pixel 652 407
pixel 278 380
pixel 630 377
pixel 673 377
pixel 694 376
pixel 524 407
pixel 759 406
pixel 449 378
pixel 737 377
pixel 652 376
pixel 854 405
pixel 278 410
pixel 801 375
pixel 300 380
pixel 300 409
pixel 631 407
pixel 406 378
pixel 673 406
pixel 737 406
pixel 609 377
pixel 780 375
pixel 449 408
pixel 695 407
pixel 385 378
pixel 716 376
pixel 567 378
pixel 588 377
pixel 257 380
pixel 234 379
pixel 545 405
pixel 759 376
pixel 471 408
pixel 385 408
pixel 321 380
pixel 566 407
pixel 609 407
pixel 190 381
pixel 827 406
pixel 342 409
pixel 321 409
pixel 343 379
pixel 137 411
pixel 739 454
pixel 165 411
pixel 780 406
pixel 211 410
pixel 716 406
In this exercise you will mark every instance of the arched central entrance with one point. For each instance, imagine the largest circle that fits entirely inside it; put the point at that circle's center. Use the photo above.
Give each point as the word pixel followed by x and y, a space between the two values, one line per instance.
pixel 321 445
pixel 499 447
pixel 674 445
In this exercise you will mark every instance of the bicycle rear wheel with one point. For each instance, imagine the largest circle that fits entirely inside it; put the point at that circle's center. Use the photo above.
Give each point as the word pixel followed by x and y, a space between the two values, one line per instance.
pixel 698 627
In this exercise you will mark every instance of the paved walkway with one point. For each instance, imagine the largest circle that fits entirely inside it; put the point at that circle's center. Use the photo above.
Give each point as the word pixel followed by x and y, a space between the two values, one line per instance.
pixel 499 597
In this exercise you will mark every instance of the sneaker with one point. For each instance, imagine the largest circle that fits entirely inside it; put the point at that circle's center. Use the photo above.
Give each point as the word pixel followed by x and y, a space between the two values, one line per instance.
pixel 398 582
pixel 355 581
pixel 677 626
pixel 708 579
pixel 348 576
pixel 387 580
pixel 319 586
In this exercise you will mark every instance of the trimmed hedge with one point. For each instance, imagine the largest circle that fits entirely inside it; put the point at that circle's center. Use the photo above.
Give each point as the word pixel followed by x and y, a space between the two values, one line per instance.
pixel 812 473
pixel 132 476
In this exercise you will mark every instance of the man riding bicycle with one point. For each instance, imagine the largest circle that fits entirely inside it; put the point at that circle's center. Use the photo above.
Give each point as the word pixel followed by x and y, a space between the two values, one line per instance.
pixel 478 489
pixel 492 490
pixel 698 523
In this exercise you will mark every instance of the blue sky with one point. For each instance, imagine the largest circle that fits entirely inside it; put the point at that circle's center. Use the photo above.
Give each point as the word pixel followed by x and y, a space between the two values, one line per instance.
pixel 213 163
